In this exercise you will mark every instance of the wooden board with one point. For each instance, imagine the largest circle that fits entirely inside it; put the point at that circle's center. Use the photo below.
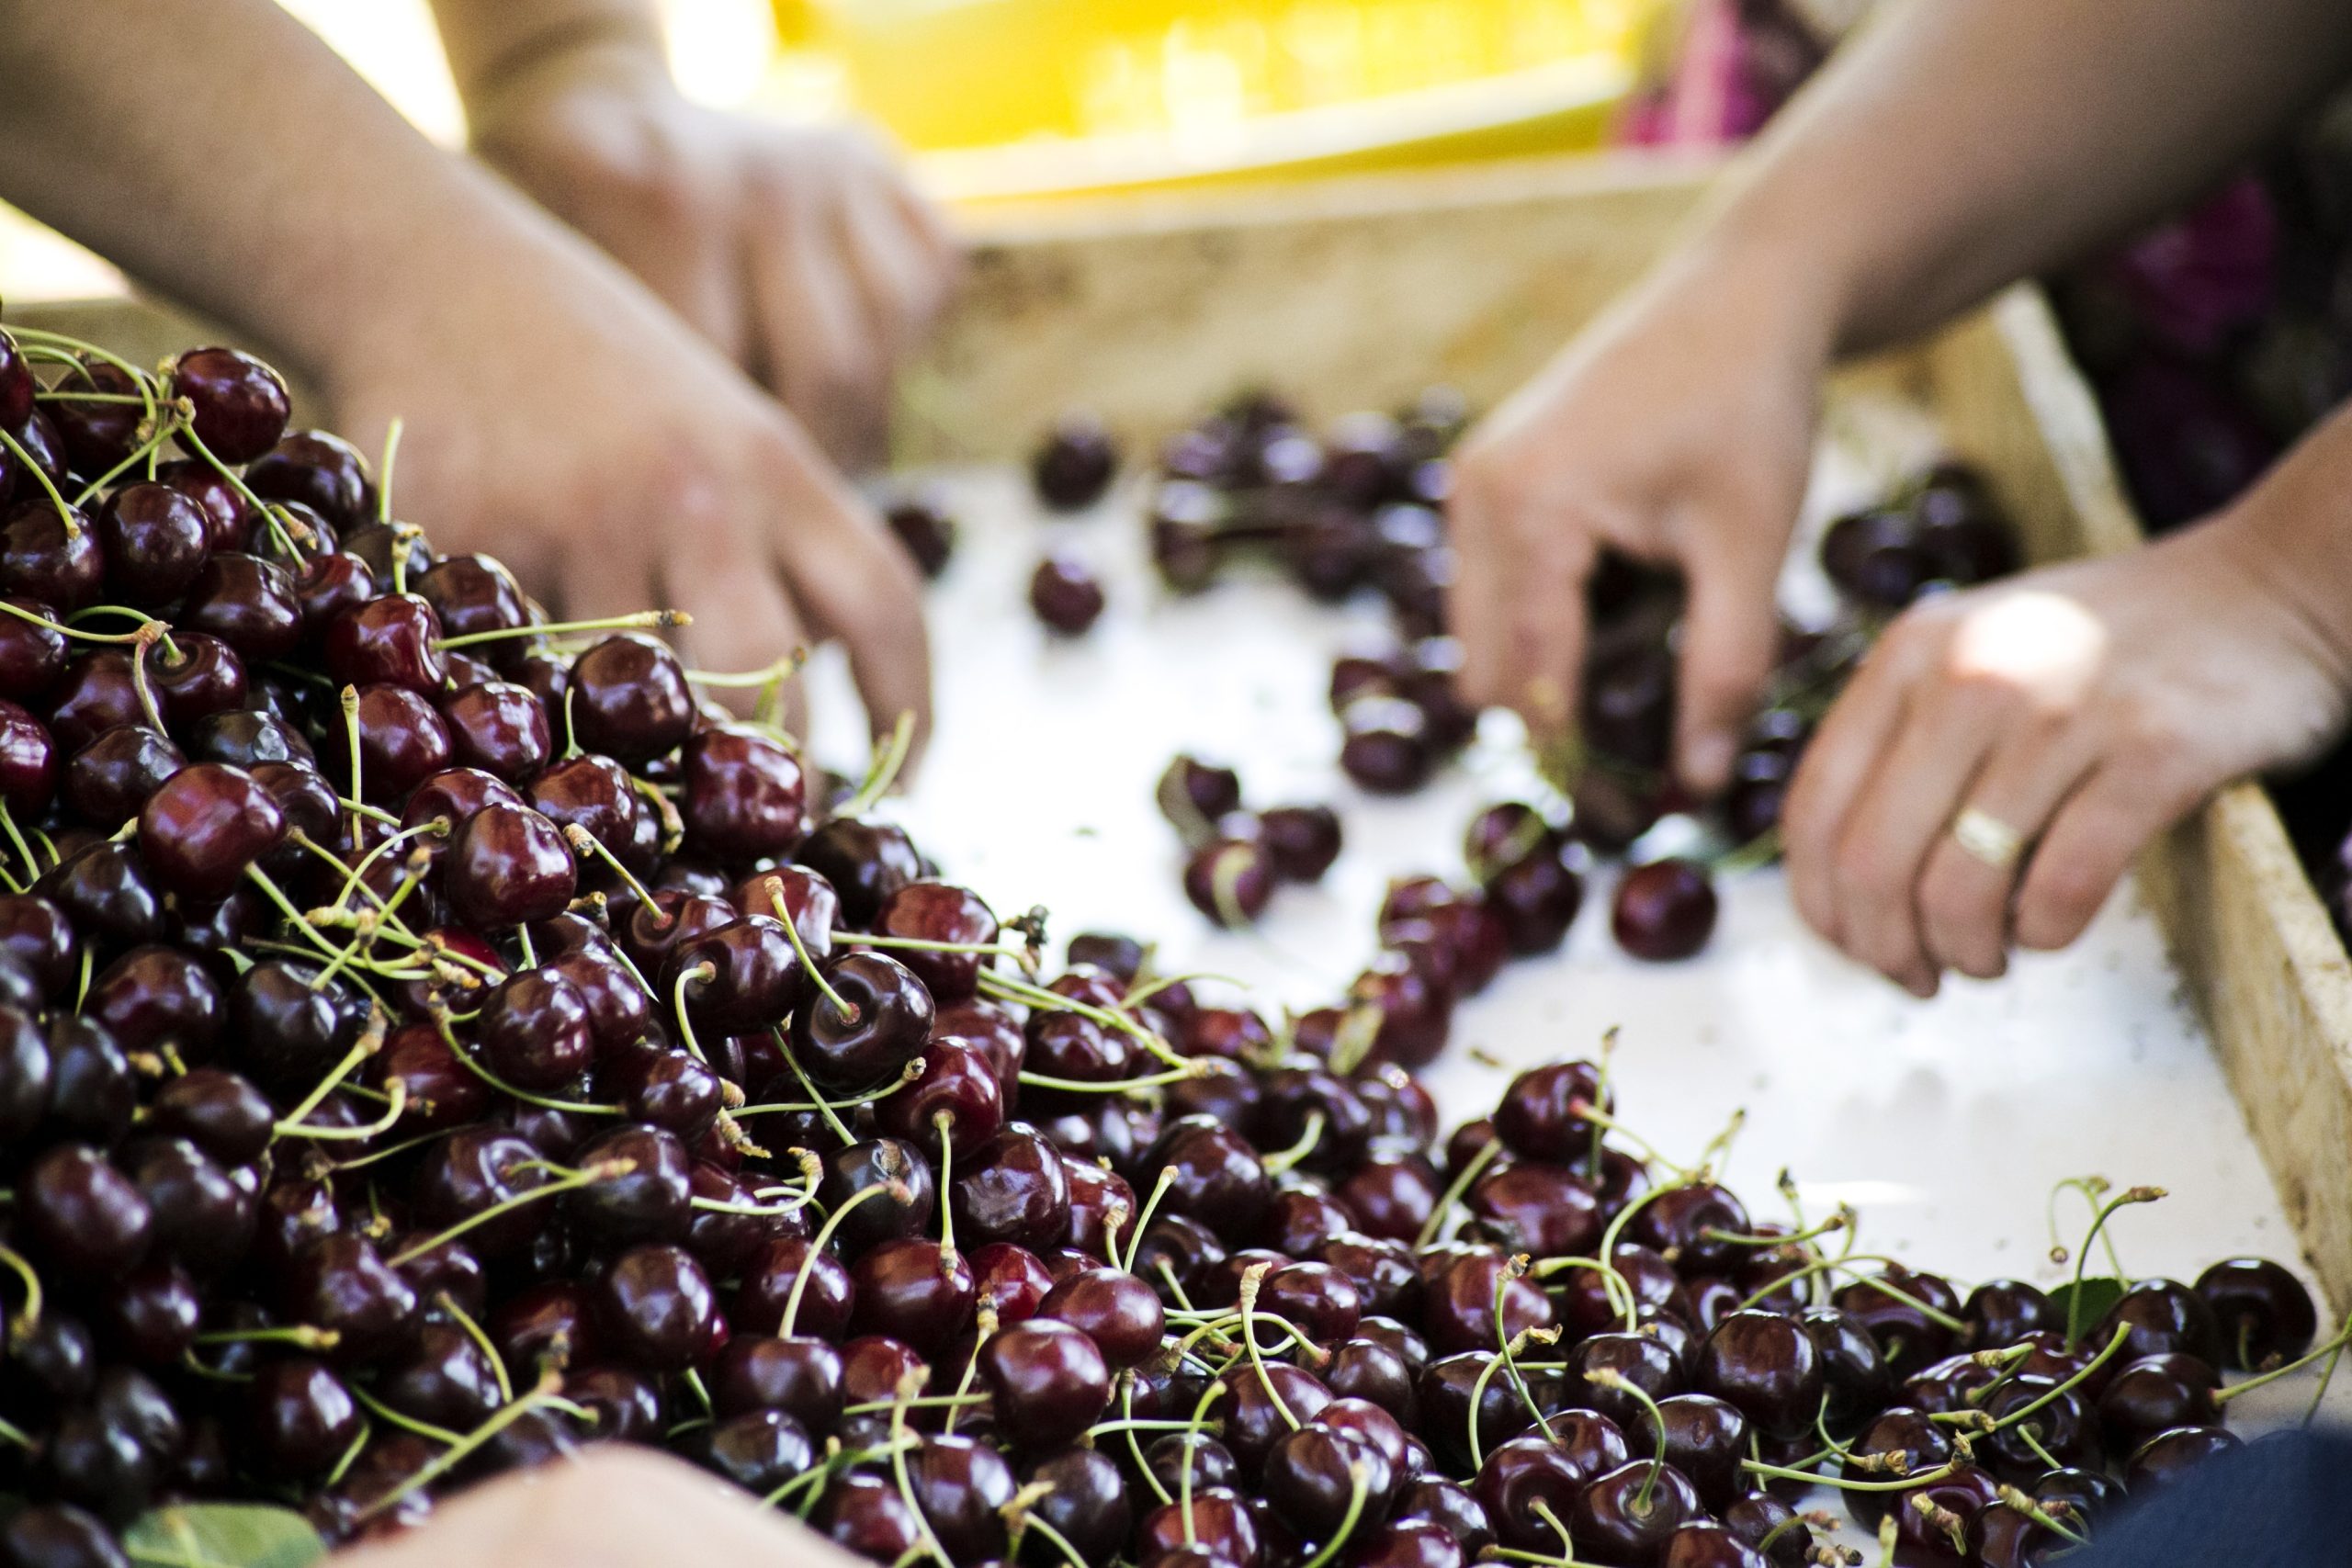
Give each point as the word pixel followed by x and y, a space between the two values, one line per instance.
pixel 1360 293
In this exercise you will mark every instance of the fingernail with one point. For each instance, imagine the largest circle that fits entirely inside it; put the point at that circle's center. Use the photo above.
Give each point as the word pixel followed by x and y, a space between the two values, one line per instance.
pixel 1706 761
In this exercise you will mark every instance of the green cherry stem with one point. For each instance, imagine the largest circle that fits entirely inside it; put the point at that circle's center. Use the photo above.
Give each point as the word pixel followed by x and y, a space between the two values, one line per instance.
pixel 641 620
pixel 817 1244
pixel 2128 1197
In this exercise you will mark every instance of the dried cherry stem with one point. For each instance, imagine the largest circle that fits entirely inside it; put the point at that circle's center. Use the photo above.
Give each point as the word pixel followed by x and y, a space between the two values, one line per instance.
pixel 397 1107
pixel 2128 1197
pixel 448 1303
pixel 1167 1178
pixel 2023 1504
pixel 2334 1345
pixel 406 1423
pixel 817 1244
pixel 887 759
pixel 1280 1162
pixel 550 1383
pixel 565 1182
pixel 640 620
pixel 842 1005
pixel 29 1316
pixel 1434 1226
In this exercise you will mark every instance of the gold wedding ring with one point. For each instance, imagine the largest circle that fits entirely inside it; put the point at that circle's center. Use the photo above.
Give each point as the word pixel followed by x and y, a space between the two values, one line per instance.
pixel 1988 838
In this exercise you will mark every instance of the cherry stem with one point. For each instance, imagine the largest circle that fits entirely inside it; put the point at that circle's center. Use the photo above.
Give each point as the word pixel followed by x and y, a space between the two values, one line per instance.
pixel 1875 1281
pixel 8 820
pixel 2332 1346
pixel 1359 1481
pixel 441 1019
pixel 1112 1086
pixel 550 1382
pixel 1160 1187
pixel 1794 1522
pixel 65 516
pixel 370 1041
pixel 817 1244
pixel 1621 1303
pixel 889 758
pixel 397 1107
pixel 584 842
pixel 792 1060
pixel 448 1303
pixel 924 1401
pixel 1608 1247
pixel 943 1122
pixel 1134 1446
pixel 1280 1162
pixel 1209 1396
pixel 705 971
pixel 2093 1188
pixel 1603 1122
pixel 783 668
pixel 849 1011
pixel 654 619
pixel 913 1071
pixel 568 1181
pixel 1250 1280
pixel 278 517
pixel 1054 1001
pixel 1779 1472
pixel 1030 1521
pixel 1831 1226
pixel 1434 1226
pixel 406 1423
pixel 2129 1196
pixel 302 1335
pixel 28 1317
pixel 1610 1378
pixel 391 455
pixel 1567 1543
pixel 10 1432
pixel 906 1386
pixel 161 432
pixel 1506 1344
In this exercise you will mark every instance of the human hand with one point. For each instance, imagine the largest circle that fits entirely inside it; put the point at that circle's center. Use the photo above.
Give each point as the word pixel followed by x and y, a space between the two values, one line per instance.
pixel 1677 428
pixel 2085 708
pixel 556 416
pixel 614 1506
pixel 801 252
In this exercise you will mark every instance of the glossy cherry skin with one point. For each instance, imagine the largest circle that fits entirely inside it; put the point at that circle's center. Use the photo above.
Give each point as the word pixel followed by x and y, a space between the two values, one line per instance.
pixel 1765 1365
pixel 746 796
pixel 507 865
pixel 96 694
pixel 1626 1515
pixel 1066 593
pixel 247 603
pixel 299 1418
pixel 42 562
pixel 1386 746
pixel 1253 1420
pixel 2000 1313
pixel 444 1380
pixel 343 1285
pixel 824 1309
pixel 154 538
pixel 844 1053
pixel 1217 1178
pixel 657 1308
pixel 758 1450
pixel 909 1290
pixel 1310 1480
pixel 83 1213
pixel 197 677
pixel 647 1201
pixel 17 387
pixel 32 656
pixel 534 1032
pixel 865 860
pixel 1087 1505
pixel 629 698
pixel 1224 1527
pixel 1545 1210
pixel 205 826
pixel 1907 1339
pixel 27 761
pixel 800 1375
pixel 499 727
pixel 323 471
pixel 1115 1309
pixel 1702 1543
pixel 473 1170
pixel 392 640
pixel 1664 910
pixel 1048 1381
pixel 1643 1359
pixel 2261 1310
pixel 962 1486
pixel 866 1513
pixel 2164 1316
pixel 1073 467
pixel 2153 1395
pixel 1923 1445
pixel 1014 1187
pixel 241 403
pixel 1458 1308
pixel 2163 1459
pixel 939 911
pixel 59 1535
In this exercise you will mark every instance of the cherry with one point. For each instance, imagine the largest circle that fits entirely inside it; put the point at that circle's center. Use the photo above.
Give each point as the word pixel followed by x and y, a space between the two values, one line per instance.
pixel 1048 1381
pixel 17 387
pixel 649 1201
pixel 284 1031
pixel 1922 1444
pixel 758 1450
pixel 1074 466
pixel 1065 593
pixel 866 1515
pixel 498 727
pixel 904 1210
pixel 95 694
pixel 27 761
pixel 472 1171
pixel 1765 1365
pixel 1301 1219
pixel 2262 1311
pixel 1756 1517
pixel 1907 1339
pixel 153 540
pixel 1223 1528
pixel 1664 910
pixel 1167 1457
pixel 25 1072
pixel 1115 1309
pixel 1229 880
pixel 241 403
pixel 1386 746
pixel 299 1418
pixel 1852 1372
pixel 1696 1227
pixel 2164 1316
pixel 1254 1421
pixel 33 656
pixel 319 470
pixel 927 534
pixel 392 640
pixel 96 436
pixel 1444 1390
pixel 41 560
pixel 85 1212
pixel 92 1092
pixel 962 1486
pixel 1011 1189
pixel 1545 1210
pixel 2162 1460
pixel 247 603
pixel 1534 1469
pixel 939 911
pixel 629 698
pixel 1010 1280
pixel 1314 1298
pixel 342 1284
pixel 746 796
pixel 59 1535
pixel 883 1025
pixel 444 1380
pixel 1415 1016
pixel 1214 1176
pixel 534 1028
pixel 914 1291
pixel 767 1287
pixel 202 678
pixel 2151 1395
pixel 1301 840
pixel 753 976
pixel 1193 794
pixel 1311 1477
pixel 246 740
pixel 800 1375
pixel 865 860
pixel 506 866
pixel 205 826
pixel 203 1218
pixel 657 1308
pixel 1627 1515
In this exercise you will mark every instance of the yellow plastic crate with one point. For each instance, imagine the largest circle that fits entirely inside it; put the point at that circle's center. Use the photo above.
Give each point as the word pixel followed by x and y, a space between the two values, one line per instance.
pixel 1027 97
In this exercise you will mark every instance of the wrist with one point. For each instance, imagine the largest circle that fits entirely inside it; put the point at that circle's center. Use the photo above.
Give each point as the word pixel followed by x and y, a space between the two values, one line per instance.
pixel 613 47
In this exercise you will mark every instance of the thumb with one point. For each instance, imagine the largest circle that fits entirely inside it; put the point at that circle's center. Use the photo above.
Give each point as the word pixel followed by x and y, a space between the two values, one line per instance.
pixel 1730 635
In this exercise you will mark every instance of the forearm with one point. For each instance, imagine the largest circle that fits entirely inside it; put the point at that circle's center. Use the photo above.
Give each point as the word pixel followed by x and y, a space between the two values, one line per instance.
pixel 218 151
pixel 1952 148
pixel 491 42
pixel 2297 527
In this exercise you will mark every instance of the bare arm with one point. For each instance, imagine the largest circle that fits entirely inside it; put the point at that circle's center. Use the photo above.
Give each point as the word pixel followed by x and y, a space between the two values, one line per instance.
pixel 557 414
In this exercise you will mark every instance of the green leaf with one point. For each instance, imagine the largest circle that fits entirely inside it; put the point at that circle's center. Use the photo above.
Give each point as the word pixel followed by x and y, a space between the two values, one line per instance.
pixel 2099 1293
pixel 223 1535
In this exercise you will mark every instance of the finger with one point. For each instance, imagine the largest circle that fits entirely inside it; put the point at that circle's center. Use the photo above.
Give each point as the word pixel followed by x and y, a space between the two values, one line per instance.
pixel 2090 844
pixel 1906 806
pixel 817 349
pixel 741 618
pixel 1964 903
pixel 1837 762
pixel 1729 636
pixel 853 583
pixel 903 286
